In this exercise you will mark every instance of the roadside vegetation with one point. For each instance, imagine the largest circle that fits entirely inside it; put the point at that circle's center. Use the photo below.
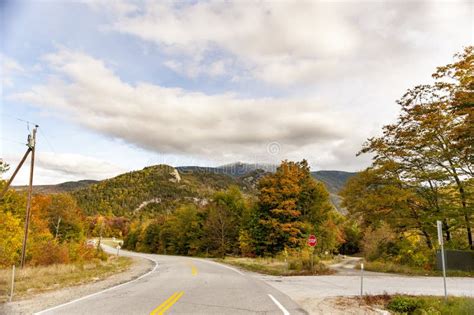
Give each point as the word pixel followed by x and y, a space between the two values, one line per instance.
pixel 33 280
pixel 421 172
pixel 404 304
pixel 57 252
pixel 390 267
pixel 288 206
pixel 297 263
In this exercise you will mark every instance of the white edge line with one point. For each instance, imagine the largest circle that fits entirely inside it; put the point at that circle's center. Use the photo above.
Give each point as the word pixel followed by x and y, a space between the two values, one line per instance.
pixel 285 312
pixel 222 265
pixel 100 292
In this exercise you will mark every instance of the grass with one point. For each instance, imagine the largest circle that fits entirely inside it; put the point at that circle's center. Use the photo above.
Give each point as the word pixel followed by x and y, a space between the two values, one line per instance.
pixel 275 267
pixel 389 267
pixel 405 304
pixel 33 280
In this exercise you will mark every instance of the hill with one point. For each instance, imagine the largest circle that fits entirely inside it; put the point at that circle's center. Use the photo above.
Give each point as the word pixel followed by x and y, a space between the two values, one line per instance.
pixel 153 189
pixel 334 181
pixel 58 188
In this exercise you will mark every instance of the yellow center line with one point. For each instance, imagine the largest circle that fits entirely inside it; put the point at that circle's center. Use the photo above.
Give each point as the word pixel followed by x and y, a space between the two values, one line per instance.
pixel 161 309
pixel 194 270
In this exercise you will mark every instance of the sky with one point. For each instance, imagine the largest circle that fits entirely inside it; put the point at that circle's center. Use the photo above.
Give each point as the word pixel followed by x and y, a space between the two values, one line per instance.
pixel 119 85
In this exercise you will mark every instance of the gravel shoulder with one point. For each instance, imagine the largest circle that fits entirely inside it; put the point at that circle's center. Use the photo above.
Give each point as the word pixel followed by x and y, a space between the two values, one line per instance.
pixel 46 300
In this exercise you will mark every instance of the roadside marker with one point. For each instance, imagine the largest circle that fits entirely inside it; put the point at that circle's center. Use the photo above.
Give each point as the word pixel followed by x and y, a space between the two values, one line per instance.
pixel 439 225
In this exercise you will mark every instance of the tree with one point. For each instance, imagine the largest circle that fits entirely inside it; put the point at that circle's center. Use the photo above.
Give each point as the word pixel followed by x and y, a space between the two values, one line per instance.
pixel 4 167
pixel 181 231
pixel 64 217
pixel 223 222
pixel 428 151
pixel 10 240
pixel 292 204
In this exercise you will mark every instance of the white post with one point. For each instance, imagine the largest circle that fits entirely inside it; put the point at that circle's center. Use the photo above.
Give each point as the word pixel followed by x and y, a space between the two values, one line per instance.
pixel 443 262
pixel 361 279
pixel 13 283
pixel 118 249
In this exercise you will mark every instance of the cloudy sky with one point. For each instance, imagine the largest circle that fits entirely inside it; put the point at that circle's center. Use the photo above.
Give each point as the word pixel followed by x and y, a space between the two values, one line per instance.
pixel 119 85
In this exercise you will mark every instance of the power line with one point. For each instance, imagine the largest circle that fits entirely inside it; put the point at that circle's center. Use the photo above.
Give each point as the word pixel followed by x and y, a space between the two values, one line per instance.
pixel 47 141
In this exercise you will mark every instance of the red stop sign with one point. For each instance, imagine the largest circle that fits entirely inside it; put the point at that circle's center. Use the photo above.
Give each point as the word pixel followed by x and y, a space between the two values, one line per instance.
pixel 312 240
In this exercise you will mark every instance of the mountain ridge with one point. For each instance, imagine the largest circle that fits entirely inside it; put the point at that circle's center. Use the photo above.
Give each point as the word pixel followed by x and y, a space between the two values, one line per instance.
pixel 245 175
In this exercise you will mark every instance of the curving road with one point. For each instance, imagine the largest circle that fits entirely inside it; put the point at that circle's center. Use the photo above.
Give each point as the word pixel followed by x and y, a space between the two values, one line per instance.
pixel 184 285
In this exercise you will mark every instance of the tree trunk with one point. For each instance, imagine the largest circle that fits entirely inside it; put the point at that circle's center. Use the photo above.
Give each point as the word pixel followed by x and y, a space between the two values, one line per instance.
pixel 446 229
pixel 462 194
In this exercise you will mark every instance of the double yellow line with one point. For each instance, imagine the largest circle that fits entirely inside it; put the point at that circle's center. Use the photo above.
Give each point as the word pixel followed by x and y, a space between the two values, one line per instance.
pixel 163 307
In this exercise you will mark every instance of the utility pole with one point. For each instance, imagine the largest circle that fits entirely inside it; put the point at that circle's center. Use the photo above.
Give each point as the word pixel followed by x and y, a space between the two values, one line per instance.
pixel 31 146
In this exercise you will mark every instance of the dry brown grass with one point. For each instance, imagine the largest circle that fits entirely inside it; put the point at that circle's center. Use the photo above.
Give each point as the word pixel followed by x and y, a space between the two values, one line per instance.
pixel 276 266
pixel 32 280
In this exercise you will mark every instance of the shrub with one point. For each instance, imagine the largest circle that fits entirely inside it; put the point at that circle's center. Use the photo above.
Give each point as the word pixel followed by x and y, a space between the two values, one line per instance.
pixel 378 242
pixel 405 304
pixel 49 252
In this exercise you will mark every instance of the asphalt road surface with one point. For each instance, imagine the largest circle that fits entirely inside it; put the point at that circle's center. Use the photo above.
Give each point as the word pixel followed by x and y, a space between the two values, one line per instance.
pixel 184 285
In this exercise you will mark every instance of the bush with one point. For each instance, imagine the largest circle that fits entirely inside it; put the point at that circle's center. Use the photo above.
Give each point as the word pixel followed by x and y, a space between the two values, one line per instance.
pixel 48 253
pixel 405 304
pixel 378 242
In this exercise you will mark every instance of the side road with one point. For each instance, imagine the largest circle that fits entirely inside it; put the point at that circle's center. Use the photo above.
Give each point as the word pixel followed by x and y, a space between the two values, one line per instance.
pixel 325 294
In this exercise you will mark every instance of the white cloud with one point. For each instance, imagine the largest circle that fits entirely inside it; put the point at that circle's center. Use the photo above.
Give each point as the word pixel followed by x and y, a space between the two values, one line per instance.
pixel 9 69
pixel 54 168
pixel 173 120
pixel 302 42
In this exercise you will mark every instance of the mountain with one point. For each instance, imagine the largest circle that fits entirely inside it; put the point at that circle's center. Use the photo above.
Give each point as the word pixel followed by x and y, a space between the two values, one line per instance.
pixel 250 173
pixel 58 188
pixel 334 181
pixel 242 169
pixel 162 187
pixel 153 189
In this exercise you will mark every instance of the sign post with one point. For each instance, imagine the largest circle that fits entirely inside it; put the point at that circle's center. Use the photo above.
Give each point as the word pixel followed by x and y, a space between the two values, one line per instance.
pixel 13 284
pixel 312 241
pixel 439 224
pixel 361 279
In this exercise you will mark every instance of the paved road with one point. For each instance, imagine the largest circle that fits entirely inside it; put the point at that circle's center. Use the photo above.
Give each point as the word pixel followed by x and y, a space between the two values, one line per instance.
pixel 183 285
pixel 348 284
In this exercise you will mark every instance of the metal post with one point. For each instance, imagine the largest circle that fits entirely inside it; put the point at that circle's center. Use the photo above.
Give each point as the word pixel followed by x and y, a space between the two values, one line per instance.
pixel 13 283
pixel 444 272
pixel 31 145
pixel 312 257
pixel 361 279
pixel 443 259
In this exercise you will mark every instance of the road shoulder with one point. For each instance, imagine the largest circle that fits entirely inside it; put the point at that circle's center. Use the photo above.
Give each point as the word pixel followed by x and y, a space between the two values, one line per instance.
pixel 42 301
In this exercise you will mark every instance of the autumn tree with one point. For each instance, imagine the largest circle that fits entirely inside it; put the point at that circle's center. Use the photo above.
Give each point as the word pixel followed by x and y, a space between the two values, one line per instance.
pixel 428 151
pixel 224 220
pixel 291 204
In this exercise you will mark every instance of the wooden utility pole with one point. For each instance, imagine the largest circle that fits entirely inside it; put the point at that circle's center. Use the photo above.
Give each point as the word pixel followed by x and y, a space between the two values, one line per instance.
pixel 5 189
pixel 31 146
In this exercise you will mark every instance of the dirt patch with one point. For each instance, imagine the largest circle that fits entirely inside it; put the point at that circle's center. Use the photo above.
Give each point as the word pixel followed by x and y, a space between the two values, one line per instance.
pixel 50 299
pixel 338 306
